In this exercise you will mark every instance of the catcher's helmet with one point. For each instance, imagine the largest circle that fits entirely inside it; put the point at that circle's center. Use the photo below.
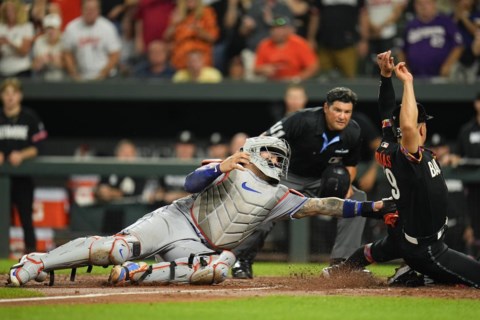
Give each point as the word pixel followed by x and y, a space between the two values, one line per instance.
pixel 277 147
pixel 335 182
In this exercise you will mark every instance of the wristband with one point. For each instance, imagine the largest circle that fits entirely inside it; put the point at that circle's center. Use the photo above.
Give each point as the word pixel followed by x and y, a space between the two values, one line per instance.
pixel 351 208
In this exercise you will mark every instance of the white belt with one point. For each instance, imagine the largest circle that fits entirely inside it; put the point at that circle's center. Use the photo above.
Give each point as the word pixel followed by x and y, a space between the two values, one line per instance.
pixel 437 235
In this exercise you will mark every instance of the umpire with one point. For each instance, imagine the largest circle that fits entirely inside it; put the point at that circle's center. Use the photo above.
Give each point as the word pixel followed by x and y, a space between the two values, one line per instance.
pixel 21 134
pixel 325 142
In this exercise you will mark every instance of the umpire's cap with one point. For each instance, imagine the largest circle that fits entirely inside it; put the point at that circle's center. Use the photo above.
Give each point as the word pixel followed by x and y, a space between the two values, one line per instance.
pixel 335 181
pixel 422 115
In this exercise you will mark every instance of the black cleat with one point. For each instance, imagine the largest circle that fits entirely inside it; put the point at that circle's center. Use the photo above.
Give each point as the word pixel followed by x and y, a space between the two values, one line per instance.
pixel 242 269
pixel 406 277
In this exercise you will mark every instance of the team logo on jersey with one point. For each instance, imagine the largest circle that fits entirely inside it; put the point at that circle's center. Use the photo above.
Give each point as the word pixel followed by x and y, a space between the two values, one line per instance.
pixel 244 186
pixel 384 145
pixel 342 151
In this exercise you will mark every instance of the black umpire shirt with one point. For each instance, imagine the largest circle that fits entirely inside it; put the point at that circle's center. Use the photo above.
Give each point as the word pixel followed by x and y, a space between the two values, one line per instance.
pixel 21 132
pixel 313 146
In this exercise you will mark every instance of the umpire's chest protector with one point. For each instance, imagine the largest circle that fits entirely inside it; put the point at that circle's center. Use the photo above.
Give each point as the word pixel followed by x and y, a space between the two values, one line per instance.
pixel 229 211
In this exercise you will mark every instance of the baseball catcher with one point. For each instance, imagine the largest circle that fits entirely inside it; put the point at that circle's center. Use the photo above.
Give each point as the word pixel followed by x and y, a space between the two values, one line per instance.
pixel 194 235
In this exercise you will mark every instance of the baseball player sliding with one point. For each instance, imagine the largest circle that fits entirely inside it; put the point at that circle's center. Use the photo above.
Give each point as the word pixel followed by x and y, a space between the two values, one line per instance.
pixel 195 234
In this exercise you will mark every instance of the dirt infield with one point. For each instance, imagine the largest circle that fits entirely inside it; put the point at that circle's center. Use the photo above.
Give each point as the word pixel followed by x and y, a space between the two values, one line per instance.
pixel 94 289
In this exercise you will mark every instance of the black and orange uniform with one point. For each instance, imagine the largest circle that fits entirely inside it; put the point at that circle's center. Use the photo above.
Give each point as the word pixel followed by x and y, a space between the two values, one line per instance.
pixel 18 133
pixel 421 196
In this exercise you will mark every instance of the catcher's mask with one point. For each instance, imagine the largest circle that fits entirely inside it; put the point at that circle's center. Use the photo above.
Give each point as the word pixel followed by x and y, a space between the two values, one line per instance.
pixel 335 182
pixel 276 147
pixel 422 117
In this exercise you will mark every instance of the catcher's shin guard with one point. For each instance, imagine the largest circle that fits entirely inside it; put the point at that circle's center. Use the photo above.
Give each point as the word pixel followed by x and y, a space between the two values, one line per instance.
pixel 216 271
pixel 98 251
pixel 201 269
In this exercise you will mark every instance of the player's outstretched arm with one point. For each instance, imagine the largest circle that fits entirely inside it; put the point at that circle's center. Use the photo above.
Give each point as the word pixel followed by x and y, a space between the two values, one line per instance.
pixel 386 96
pixel 341 208
pixel 409 110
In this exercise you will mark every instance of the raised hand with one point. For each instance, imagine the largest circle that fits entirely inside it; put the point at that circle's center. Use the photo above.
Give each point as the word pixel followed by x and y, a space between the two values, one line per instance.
pixel 386 63
pixel 402 72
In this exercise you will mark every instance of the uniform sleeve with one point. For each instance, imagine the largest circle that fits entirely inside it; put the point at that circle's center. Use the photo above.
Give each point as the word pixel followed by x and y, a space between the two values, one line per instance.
pixel 37 132
pixel 287 207
pixel 112 39
pixel 199 179
pixel 386 105
pixel 287 128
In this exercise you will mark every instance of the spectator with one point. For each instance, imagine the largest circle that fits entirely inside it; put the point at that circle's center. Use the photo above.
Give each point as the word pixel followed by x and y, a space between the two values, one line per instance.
pixel 185 147
pixel 170 186
pixel 218 147
pixel 294 99
pixel 237 141
pixel 339 30
pixel 151 22
pixel 91 45
pixel 383 19
pixel 236 9
pixel 285 55
pixel 465 16
pixel 468 147
pixel 192 26
pixel 157 65
pixel 27 134
pixel 114 10
pixel 197 70
pixel 115 189
pixel 255 27
pixel 301 10
pixel 67 9
pixel 219 48
pixel 16 38
pixel 432 42
pixel 47 50
pixel 476 43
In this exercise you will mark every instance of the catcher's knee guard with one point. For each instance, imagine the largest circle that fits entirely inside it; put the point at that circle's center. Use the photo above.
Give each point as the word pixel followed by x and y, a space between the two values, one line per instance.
pixel 99 251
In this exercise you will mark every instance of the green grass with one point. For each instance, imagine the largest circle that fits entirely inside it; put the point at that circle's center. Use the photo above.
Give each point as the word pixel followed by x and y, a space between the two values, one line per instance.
pixel 272 307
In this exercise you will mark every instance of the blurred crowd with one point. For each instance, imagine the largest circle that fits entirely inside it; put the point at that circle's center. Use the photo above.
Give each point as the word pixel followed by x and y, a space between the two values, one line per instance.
pixel 252 40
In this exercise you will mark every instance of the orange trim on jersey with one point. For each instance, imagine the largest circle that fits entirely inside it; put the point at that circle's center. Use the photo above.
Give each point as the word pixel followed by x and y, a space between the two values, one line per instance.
pixel 410 157
pixel 296 192
pixel 225 176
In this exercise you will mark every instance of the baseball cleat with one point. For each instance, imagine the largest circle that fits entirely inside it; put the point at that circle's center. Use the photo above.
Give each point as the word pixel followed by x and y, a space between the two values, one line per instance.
pixel 242 269
pixel 30 267
pixel 407 277
pixel 127 272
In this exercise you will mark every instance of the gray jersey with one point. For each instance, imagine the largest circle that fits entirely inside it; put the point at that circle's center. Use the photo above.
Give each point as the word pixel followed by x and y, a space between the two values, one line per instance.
pixel 219 217
pixel 236 203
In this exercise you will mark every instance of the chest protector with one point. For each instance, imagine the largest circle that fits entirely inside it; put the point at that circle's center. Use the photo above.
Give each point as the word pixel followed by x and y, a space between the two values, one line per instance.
pixel 229 211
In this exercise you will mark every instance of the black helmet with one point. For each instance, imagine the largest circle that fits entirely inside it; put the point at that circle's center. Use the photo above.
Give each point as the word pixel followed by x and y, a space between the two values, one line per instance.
pixel 422 117
pixel 335 181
